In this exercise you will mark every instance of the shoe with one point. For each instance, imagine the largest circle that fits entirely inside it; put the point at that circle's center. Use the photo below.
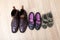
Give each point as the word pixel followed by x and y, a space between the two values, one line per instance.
pixel 50 19
pixel 38 21
pixel 14 23
pixel 44 21
pixel 31 21
pixel 23 21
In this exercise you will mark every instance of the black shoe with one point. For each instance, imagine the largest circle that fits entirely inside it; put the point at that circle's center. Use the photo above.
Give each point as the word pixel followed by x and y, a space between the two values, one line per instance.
pixel 38 21
pixel 15 23
pixel 31 21
pixel 23 21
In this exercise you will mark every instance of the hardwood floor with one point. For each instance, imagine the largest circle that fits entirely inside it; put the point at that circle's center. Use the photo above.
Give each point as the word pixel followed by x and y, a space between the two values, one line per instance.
pixel 43 6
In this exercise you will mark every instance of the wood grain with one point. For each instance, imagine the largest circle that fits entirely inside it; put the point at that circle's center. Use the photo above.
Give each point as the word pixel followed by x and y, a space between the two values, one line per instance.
pixel 42 6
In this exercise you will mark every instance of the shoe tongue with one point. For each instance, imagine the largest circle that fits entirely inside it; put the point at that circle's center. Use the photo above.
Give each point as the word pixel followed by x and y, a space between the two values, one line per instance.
pixel 31 17
pixel 31 20
pixel 38 17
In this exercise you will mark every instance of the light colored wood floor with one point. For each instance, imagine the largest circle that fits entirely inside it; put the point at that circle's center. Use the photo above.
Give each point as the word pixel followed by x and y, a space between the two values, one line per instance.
pixel 43 6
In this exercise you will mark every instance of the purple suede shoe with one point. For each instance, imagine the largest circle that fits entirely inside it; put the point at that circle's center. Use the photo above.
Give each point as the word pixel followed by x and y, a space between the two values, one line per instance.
pixel 31 21
pixel 37 21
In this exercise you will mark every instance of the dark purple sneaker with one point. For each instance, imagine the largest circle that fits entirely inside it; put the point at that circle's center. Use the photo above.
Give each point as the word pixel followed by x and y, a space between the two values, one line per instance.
pixel 31 20
pixel 37 21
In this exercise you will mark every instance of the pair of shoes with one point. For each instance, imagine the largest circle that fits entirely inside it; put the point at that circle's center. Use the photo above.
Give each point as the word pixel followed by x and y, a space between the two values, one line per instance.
pixel 47 20
pixel 19 20
pixel 34 21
